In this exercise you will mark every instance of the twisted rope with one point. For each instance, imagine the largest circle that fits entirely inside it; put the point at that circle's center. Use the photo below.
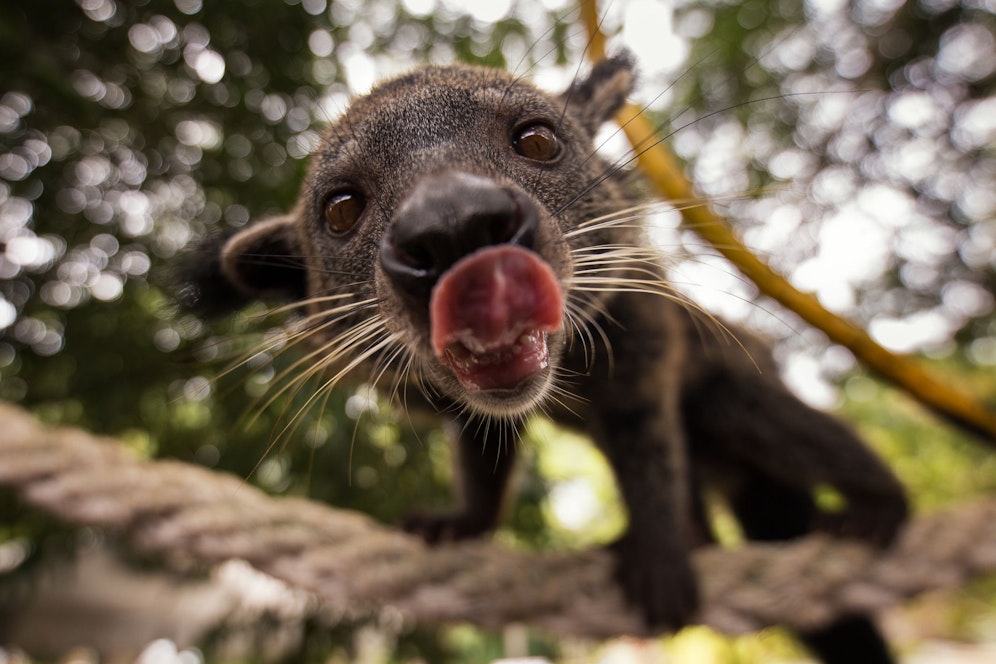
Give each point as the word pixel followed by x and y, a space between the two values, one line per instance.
pixel 191 515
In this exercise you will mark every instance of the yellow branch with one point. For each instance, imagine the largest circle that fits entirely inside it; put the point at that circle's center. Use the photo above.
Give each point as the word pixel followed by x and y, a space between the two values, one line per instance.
pixel 663 171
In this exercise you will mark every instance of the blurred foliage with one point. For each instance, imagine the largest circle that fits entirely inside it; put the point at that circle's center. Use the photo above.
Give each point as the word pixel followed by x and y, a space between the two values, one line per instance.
pixel 863 130
pixel 865 133
pixel 940 465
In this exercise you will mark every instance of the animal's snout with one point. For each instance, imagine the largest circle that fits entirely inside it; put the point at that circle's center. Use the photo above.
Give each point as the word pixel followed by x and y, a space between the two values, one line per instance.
pixel 447 216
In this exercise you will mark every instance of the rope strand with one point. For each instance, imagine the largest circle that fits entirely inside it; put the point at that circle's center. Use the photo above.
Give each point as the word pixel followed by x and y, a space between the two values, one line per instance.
pixel 188 514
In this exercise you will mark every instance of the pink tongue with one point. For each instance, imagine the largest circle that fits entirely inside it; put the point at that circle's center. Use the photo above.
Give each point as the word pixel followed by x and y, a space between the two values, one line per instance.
pixel 490 313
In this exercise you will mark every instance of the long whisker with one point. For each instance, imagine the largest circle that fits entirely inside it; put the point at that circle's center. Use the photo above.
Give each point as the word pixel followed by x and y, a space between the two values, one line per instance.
pixel 327 354
pixel 385 340
pixel 318 300
pixel 635 216
pixel 658 287
pixel 592 327
pixel 289 337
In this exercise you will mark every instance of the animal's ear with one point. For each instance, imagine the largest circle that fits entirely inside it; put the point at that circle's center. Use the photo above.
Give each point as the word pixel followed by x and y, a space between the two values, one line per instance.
pixel 597 97
pixel 226 272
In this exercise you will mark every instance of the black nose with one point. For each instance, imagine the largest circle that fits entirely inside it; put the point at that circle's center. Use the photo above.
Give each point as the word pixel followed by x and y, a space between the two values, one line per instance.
pixel 447 216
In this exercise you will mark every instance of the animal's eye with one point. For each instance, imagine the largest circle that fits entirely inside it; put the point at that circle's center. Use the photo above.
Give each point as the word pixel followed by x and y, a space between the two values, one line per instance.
pixel 537 142
pixel 343 210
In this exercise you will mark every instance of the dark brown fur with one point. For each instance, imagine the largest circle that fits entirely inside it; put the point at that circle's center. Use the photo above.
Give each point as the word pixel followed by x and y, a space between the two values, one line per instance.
pixel 673 401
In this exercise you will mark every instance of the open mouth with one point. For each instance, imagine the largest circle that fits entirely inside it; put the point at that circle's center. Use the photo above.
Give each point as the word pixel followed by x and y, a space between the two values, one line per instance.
pixel 490 316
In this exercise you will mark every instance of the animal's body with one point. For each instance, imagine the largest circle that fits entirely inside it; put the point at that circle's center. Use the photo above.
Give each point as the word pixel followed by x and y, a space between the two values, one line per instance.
pixel 457 233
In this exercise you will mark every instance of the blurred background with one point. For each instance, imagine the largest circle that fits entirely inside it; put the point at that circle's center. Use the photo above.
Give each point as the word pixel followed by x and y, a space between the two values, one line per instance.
pixel 850 143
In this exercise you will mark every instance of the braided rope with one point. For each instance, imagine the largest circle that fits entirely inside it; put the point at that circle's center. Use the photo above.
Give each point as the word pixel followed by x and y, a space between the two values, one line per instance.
pixel 356 567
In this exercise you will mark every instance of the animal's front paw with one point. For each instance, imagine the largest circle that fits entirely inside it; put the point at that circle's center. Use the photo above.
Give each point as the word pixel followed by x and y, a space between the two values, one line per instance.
pixel 658 580
pixel 445 526
pixel 873 518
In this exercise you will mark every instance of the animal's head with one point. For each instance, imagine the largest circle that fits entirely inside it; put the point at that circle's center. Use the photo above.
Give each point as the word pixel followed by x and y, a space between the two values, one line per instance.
pixel 442 229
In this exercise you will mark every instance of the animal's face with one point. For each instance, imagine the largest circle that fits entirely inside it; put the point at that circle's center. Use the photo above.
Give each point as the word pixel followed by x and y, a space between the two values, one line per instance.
pixel 441 228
